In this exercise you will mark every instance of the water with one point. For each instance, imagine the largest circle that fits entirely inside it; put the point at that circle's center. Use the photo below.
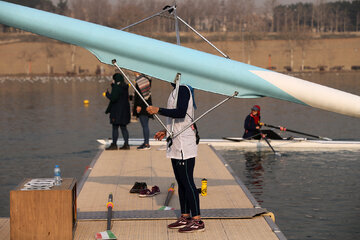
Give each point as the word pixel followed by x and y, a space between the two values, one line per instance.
pixel 44 122
pixel 312 194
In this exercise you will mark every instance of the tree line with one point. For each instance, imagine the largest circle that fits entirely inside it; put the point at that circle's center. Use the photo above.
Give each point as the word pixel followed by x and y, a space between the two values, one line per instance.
pixel 339 16
pixel 212 15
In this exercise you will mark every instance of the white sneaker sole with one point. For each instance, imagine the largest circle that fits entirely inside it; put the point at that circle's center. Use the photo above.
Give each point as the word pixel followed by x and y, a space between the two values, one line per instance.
pixel 144 149
pixel 193 231
pixel 179 227
pixel 143 196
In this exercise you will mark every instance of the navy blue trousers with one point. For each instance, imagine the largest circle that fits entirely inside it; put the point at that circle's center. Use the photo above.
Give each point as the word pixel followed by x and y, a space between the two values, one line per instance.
pixel 188 193
pixel 124 132
pixel 144 120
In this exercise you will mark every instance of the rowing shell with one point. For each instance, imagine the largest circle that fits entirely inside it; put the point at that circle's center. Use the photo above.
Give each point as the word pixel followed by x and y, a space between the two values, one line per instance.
pixel 164 60
pixel 296 144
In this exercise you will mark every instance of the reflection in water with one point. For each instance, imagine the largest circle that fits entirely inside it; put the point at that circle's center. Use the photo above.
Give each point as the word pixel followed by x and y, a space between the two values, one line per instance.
pixel 254 173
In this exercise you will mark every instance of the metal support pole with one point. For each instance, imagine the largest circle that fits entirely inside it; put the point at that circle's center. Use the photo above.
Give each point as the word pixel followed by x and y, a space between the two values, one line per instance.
pixel 205 113
pixel 145 19
pixel 177 84
pixel 176 18
pixel 176 25
pixel 197 33
pixel 137 92
pixel 178 76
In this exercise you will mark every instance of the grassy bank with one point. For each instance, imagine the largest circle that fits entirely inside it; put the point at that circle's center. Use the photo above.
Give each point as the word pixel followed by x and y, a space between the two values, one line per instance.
pixel 28 53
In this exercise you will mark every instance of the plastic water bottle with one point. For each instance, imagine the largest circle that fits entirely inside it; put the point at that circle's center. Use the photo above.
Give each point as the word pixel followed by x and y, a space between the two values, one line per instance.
pixel 57 175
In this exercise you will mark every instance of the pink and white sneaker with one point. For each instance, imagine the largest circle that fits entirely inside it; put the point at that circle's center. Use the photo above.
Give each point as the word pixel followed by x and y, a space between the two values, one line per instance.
pixel 193 226
pixel 180 223
pixel 155 190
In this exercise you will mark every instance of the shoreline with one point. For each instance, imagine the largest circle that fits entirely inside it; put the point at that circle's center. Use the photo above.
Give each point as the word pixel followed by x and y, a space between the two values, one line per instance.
pixel 24 75
pixel 32 55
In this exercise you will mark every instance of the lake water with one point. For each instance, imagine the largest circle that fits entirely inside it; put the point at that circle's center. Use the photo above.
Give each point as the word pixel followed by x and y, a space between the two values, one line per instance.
pixel 314 195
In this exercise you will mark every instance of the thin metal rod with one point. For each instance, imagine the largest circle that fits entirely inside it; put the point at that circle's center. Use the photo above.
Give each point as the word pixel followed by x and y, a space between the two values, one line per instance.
pixel 176 26
pixel 226 56
pixel 268 143
pixel 145 19
pixel 156 116
pixel 205 113
pixel 176 17
pixel 177 82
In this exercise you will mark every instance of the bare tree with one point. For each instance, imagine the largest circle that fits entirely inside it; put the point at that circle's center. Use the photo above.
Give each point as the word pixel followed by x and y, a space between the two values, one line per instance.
pixel 346 22
pixel 269 11
pixel 79 9
pixel 337 16
pixel 319 14
pixel 98 11
pixel 222 15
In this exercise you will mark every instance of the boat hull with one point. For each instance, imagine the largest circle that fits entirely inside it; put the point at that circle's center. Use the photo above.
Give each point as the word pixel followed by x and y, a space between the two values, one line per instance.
pixel 261 145
pixel 164 60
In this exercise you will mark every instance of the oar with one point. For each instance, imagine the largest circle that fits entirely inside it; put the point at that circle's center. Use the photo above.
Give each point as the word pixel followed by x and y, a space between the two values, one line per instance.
pixel 168 197
pixel 244 139
pixel 109 206
pixel 108 234
pixel 302 133
pixel 267 141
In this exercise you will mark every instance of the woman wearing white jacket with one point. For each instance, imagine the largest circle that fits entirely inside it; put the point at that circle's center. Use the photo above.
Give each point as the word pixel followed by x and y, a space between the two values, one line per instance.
pixel 182 150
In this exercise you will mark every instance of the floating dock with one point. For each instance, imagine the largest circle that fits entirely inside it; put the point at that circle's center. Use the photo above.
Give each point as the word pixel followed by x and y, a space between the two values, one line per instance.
pixel 229 210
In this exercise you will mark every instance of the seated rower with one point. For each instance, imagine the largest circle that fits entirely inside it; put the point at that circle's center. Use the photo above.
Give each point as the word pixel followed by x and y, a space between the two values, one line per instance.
pixel 252 124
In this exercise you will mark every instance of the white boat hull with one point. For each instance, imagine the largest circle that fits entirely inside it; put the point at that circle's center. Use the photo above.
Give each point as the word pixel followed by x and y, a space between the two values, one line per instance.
pixel 260 145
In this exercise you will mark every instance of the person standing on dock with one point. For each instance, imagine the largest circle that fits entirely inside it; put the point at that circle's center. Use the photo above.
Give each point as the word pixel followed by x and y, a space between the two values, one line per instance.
pixel 182 150
pixel 119 109
pixel 143 85
pixel 252 124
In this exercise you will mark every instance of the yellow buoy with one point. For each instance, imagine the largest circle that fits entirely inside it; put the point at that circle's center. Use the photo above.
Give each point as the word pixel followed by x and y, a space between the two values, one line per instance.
pixel 86 102
pixel 104 94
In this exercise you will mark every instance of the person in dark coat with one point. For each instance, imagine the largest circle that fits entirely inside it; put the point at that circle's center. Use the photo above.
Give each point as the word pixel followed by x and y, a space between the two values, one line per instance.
pixel 143 85
pixel 252 124
pixel 119 109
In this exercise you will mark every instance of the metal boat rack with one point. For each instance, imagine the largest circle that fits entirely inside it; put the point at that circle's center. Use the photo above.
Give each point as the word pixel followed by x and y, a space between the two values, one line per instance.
pixel 170 11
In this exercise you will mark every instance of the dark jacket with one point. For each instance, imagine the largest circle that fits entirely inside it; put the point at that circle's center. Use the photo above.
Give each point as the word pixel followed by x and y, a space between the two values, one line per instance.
pixel 119 106
pixel 139 102
pixel 250 128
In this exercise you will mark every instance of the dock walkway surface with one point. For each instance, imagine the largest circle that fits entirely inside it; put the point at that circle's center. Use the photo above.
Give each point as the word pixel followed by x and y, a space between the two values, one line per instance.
pixel 229 211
